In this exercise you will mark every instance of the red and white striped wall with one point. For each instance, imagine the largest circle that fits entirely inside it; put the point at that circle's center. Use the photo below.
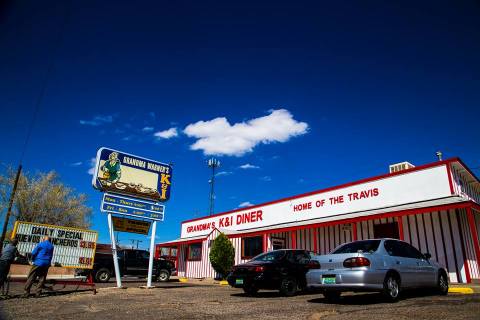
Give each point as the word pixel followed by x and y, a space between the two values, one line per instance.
pixel 463 183
pixel 445 234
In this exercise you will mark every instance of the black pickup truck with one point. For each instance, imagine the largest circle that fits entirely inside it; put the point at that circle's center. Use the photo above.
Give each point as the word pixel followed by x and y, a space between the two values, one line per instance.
pixel 132 262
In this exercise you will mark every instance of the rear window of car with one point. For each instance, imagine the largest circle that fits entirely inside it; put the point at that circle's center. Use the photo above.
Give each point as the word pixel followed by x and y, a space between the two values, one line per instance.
pixel 364 246
pixel 270 256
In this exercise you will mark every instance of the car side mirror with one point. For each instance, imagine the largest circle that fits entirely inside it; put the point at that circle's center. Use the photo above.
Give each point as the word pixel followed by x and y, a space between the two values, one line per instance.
pixel 427 256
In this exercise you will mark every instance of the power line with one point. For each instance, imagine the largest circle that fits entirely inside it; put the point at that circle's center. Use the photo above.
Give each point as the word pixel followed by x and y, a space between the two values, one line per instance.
pixel 34 118
pixel 43 88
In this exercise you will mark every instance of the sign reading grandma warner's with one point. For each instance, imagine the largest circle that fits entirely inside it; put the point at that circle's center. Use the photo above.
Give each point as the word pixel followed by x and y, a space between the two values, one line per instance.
pixel 123 173
pixel 72 247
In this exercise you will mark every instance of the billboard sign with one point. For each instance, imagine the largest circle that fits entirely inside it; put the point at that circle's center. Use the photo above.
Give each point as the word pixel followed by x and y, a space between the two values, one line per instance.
pixel 133 176
pixel 350 201
pixel 131 225
pixel 132 207
pixel 73 247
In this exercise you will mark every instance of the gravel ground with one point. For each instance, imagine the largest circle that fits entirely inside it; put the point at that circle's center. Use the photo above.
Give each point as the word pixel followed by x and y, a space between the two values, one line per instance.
pixel 211 301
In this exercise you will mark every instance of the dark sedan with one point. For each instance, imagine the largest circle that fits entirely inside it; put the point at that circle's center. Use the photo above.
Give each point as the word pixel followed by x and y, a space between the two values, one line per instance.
pixel 282 270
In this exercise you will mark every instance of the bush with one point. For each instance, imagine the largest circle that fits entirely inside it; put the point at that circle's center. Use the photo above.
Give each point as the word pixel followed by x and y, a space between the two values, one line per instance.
pixel 222 255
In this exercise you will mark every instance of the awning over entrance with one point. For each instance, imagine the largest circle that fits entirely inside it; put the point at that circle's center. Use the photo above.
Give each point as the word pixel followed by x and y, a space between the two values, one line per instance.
pixel 178 241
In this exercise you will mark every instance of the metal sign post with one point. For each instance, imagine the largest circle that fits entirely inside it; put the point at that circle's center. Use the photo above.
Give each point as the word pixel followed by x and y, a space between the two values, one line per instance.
pixel 114 251
pixel 152 253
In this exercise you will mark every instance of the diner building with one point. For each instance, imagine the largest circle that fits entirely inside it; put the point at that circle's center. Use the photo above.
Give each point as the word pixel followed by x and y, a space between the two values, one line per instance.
pixel 435 207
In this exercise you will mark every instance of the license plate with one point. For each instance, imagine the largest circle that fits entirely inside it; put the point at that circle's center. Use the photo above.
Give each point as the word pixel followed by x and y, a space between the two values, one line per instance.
pixel 328 280
pixel 238 281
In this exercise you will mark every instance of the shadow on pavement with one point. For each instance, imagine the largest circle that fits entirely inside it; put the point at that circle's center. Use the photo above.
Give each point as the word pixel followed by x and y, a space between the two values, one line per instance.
pixel 46 294
pixel 372 298
pixel 270 294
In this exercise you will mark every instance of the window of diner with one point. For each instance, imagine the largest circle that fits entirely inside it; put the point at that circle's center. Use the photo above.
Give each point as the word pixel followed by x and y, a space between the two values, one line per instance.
pixel 386 230
pixel 164 252
pixel 251 247
pixel 195 251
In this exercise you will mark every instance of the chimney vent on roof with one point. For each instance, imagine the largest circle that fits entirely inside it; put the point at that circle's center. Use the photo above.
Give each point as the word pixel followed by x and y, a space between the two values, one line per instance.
pixel 401 166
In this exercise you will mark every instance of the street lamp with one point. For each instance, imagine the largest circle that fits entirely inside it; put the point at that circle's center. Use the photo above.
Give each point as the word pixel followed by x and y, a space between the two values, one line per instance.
pixel 212 163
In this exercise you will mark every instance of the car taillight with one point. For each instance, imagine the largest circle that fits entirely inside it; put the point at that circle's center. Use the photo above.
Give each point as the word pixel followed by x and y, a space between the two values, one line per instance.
pixel 259 269
pixel 313 264
pixel 356 262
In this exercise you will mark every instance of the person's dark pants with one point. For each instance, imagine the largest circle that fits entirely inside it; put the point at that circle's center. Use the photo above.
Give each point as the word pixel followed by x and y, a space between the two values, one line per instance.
pixel 36 272
pixel 4 270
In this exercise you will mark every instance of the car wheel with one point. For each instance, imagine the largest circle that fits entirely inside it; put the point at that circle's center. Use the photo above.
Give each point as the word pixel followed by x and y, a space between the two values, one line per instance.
pixel 332 296
pixel 391 287
pixel 442 284
pixel 102 275
pixel 289 286
pixel 163 275
pixel 250 289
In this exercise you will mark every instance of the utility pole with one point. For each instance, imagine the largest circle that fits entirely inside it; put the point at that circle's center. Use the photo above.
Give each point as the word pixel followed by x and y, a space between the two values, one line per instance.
pixel 439 155
pixel 212 163
pixel 9 210
pixel 133 241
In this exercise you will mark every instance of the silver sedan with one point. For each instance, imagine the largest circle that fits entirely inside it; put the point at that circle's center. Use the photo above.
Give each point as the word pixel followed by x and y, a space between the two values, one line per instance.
pixel 384 265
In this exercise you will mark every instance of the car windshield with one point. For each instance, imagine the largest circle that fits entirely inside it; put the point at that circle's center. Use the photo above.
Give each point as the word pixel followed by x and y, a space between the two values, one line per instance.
pixel 270 256
pixel 365 246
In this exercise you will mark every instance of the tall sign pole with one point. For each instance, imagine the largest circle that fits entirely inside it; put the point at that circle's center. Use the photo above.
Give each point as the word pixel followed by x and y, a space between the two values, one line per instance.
pixel 152 253
pixel 9 210
pixel 114 251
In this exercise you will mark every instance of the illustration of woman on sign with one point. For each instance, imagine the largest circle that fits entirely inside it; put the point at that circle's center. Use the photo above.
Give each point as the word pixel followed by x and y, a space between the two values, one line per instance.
pixel 112 170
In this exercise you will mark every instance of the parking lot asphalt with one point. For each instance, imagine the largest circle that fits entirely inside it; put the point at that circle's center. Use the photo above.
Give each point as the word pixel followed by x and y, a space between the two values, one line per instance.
pixel 206 300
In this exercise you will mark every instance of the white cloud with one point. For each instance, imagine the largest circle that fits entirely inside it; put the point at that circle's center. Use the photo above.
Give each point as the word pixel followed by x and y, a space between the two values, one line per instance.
pixel 166 134
pixel 93 162
pixel 248 166
pixel 147 129
pixel 219 137
pixel 76 164
pixel 223 173
pixel 266 178
pixel 97 120
pixel 245 204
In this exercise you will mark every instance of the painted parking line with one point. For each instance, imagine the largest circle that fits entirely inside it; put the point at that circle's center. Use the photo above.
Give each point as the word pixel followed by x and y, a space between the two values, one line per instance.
pixel 462 290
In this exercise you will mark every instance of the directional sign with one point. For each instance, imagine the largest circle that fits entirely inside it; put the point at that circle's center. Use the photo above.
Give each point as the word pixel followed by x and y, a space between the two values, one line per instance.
pixel 131 225
pixel 132 207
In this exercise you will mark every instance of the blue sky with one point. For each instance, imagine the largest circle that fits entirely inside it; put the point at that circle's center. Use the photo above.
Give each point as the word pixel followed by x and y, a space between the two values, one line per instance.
pixel 303 95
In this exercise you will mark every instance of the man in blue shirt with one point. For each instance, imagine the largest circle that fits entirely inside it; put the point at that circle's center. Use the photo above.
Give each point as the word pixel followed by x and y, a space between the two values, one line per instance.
pixel 42 258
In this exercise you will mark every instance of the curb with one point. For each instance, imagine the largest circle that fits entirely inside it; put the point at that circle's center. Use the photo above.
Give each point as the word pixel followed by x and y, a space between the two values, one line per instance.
pixel 183 279
pixel 461 290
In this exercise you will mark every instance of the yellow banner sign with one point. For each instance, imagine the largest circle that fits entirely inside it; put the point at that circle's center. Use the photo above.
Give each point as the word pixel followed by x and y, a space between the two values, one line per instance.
pixel 130 225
